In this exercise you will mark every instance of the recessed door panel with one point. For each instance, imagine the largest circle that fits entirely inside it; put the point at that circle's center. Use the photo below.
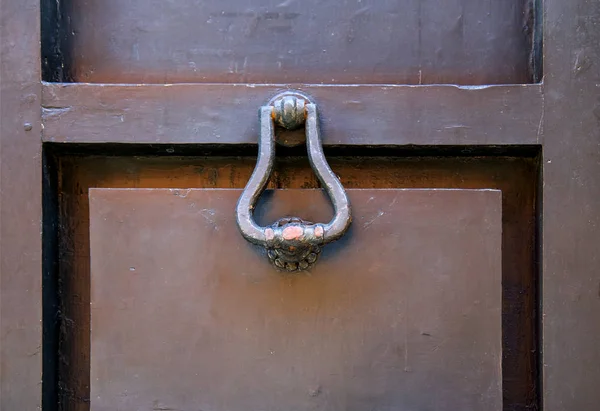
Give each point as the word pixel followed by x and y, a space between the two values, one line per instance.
pixel 309 41
pixel 403 313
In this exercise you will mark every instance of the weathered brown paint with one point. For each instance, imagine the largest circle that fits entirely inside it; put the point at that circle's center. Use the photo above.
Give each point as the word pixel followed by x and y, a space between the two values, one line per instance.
pixel 349 115
pixel 571 205
pixel 309 41
pixel 563 120
pixel 418 326
pixel 21 207
pixel 514 176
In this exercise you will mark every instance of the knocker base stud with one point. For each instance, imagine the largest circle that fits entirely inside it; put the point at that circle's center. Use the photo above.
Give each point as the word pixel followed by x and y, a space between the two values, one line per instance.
pixel 292 257
pixel 292 244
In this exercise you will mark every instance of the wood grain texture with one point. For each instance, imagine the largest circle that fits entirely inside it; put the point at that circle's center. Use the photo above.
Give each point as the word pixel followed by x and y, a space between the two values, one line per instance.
pixel 310 41
pixel 349 115
pixel 516 177
pixel 571 204
pixel 21 207
pixel 403 312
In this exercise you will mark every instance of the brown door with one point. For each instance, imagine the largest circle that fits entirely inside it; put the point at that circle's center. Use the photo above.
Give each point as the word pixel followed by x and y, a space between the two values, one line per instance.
pixel 466 280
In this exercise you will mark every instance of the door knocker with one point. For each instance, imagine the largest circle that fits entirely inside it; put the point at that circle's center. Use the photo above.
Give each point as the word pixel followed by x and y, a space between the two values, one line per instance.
pixel 292 244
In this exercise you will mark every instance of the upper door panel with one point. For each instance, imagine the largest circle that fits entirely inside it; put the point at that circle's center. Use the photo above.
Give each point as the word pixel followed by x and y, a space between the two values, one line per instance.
pixel 289 41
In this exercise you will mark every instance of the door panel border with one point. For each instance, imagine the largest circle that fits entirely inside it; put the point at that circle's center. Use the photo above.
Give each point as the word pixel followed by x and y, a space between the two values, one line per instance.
pixel 21 207
pixel 515 176
pixel 571 206
pixel 349 114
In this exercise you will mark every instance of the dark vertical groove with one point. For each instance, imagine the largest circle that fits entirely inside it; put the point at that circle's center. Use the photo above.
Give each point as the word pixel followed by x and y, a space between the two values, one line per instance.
pixel 533 31
pixel 50 294
pixel 56 40
pixel 538 283
pixel 537 41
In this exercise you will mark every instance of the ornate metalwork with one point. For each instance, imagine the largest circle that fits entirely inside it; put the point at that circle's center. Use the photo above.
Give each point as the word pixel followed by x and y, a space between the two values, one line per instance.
pixel 292 244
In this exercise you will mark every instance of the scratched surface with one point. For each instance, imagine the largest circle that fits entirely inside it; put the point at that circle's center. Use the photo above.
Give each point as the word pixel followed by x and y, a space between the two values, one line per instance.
pixel 308 41
pixel 355 115
pixel 403 313
pixel 21 328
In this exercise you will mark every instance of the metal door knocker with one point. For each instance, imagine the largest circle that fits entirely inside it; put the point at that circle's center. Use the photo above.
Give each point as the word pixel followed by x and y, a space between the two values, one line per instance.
pixel 292 244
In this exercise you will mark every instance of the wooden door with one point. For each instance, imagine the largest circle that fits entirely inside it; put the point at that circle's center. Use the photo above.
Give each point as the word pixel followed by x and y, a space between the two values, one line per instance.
pixel 467 280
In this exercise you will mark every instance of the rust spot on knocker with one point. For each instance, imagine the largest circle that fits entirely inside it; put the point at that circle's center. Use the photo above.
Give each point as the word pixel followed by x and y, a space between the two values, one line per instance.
pixel 292 244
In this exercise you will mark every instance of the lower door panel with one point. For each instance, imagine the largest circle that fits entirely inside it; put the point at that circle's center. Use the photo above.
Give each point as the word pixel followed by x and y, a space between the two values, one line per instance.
pixel 403 313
